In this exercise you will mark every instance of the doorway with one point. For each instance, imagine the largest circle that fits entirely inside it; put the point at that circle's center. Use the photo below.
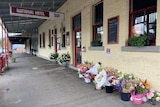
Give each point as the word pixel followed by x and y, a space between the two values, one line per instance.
pixel 77 39
pixel 78 47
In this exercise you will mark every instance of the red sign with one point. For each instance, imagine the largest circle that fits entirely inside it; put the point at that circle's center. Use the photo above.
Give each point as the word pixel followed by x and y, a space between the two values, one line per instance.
pixel 30 12
pixel 19 11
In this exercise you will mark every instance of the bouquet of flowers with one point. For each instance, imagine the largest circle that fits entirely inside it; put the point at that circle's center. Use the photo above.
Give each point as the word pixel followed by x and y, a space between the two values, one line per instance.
pixel 116 80
pixel 153 96
pixel 127 84
pixel 82 68
pixel 110 76
pixel 110 71
pixel 142 87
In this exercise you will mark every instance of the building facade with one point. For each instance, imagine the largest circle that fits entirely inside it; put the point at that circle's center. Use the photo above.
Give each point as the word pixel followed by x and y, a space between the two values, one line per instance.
pixel 107 24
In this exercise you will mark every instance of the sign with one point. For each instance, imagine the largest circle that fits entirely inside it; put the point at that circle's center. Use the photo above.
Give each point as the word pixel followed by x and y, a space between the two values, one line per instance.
pixel 112 30
pixel 24 12
pixel 108 52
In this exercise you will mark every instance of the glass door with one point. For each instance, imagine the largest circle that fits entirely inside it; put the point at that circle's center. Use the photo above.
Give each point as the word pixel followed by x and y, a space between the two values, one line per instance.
pixel 78 47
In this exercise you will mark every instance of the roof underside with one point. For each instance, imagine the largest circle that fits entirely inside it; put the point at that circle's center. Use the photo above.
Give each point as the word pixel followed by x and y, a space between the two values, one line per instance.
pixel 17 24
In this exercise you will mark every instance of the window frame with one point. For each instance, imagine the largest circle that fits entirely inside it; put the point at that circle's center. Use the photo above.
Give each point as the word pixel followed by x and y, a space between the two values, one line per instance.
pixel 40 40
pixel 49 37
pixel 143 10
pixel 117 34
pixel 63 40
pixel 43 39
pixel 96 25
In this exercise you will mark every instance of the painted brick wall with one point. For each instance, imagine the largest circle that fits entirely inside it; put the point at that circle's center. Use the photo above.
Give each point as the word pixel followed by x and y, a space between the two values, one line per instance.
pixel 143 64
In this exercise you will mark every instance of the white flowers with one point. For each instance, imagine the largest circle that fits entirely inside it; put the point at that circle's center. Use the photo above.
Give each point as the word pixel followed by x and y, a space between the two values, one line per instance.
pixel 65 57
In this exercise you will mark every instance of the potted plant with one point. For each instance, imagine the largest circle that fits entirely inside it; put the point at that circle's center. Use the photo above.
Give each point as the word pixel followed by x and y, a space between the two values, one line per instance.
pixel 153 96
pixel 110 77
pixel 127 86
pixel 138 41
pixel 141 89
pixel 96 42
pixel 53 57
pixel 64 58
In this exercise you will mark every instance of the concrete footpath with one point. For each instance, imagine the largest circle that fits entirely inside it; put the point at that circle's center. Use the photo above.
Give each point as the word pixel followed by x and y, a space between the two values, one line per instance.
pixel 36 82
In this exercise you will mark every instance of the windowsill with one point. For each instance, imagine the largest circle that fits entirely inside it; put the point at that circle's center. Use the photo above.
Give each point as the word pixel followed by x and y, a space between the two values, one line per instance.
pixel 42 47
pixel 63 48
pixel 96 48
pixel 141 49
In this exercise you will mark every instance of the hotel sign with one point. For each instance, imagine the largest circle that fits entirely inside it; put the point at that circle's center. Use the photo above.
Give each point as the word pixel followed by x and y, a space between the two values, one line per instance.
pixel 24 12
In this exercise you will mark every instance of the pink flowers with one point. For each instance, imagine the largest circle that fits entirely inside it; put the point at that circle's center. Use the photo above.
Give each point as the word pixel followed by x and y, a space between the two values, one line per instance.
pixel 152 94
pixel 83 68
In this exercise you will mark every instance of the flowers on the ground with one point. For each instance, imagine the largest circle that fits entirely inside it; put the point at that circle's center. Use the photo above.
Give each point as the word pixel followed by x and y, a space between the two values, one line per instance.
pixel 110 71
pixel 154 95
pixel 127 83
pixel 82 68
pixel 142 86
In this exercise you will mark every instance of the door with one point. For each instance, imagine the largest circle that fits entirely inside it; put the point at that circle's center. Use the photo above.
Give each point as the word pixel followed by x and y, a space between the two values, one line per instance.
pixel 77 39
pixel 78 47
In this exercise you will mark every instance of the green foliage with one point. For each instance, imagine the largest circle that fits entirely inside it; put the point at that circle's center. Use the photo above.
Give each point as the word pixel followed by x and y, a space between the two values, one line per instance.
pixel 65 57
pixel 95 41
pixel 54 56
pixel 137 41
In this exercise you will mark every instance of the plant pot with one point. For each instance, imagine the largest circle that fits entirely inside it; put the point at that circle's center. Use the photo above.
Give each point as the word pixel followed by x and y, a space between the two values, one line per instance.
pixel 109 89
pixel 148 42
pixel 137 100
pixel 64 64
pixel 125 96
pixel 54 61
pixel 96 44
pixel 152 102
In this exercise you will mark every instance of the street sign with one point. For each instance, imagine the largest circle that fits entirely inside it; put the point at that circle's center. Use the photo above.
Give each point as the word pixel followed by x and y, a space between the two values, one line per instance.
pixel 26 12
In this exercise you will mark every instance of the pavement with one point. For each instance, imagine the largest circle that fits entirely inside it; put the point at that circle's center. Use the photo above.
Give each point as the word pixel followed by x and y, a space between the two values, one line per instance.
pixel 35 82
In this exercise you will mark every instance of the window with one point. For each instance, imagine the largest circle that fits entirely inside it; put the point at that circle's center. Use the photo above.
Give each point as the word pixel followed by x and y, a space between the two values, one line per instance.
pixel 113 24
pixel 52 41
pixel 143 16
pixel 98 22
pixel 43 39
pixel 77 22
pixel 40 40
pixel 63 40
pixel 49 38
pixel 52 38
